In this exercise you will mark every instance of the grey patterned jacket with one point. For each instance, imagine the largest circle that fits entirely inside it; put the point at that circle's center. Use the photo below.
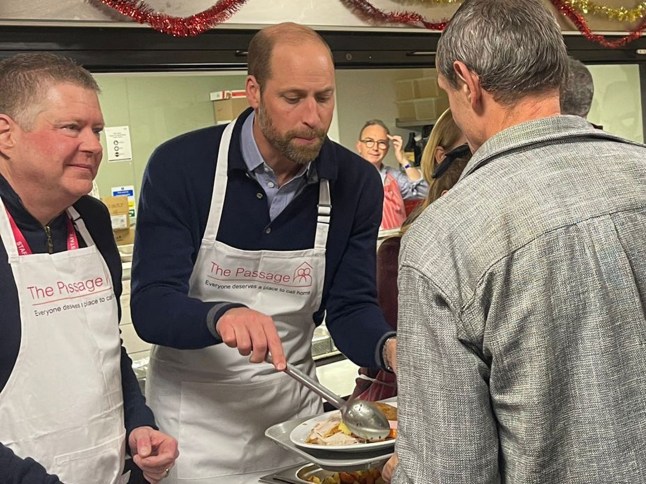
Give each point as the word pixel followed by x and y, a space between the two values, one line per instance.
pixel 522 328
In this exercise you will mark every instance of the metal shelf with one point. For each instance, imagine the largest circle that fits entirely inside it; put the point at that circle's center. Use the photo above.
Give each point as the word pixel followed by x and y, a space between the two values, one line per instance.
pixel 414 123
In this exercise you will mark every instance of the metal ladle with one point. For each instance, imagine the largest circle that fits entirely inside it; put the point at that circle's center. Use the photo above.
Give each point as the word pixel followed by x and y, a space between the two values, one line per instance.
pixel 363 419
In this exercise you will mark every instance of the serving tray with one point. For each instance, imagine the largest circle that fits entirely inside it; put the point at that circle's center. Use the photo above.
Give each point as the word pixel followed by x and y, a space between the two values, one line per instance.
pixel 296 475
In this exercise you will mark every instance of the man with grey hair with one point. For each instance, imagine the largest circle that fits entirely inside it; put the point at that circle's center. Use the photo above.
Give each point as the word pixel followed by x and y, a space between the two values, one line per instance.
pixel 522 293
pixel 578 89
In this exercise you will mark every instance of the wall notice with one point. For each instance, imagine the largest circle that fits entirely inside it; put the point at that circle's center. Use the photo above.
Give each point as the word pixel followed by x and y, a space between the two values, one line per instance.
pixel 118 141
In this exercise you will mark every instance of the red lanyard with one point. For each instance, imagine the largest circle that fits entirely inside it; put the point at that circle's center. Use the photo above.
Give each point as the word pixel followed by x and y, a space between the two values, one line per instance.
pixel 23 246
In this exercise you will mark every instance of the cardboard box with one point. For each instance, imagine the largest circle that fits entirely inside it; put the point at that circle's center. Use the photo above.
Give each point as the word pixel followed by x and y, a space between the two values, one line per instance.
pixel 226 94
pixel 120 218
pixel 124 237
pixel 421 87
pixel 227 110
pixel 219 95
pixel 405 89
pixel 406 110
pixel 423 109
pixel 430 108
pixel 118 207
pixel 427 87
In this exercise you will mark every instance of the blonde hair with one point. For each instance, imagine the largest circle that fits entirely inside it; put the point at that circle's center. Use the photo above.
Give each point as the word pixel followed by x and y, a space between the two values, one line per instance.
pixel 446 134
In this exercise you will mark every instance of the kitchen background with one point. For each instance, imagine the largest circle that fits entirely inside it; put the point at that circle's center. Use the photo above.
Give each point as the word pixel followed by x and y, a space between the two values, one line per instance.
pixel 158 106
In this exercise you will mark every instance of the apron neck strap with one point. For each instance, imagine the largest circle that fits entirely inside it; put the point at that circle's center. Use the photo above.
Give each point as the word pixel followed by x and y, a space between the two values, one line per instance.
pixel 323 216
pixel 219 184
pixel 219 191
pixel 22 246
pixel 80 226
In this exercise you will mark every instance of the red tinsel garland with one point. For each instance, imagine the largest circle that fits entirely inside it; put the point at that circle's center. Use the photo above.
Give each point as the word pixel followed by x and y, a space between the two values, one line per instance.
pixel 366 10
pixel 176 26
pixel 580 23
pixel 224 9
pixel 369 11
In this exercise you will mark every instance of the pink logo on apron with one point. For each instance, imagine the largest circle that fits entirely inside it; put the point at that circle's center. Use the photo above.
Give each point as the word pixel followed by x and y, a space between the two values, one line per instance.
pixel 216 402
pixel 63 403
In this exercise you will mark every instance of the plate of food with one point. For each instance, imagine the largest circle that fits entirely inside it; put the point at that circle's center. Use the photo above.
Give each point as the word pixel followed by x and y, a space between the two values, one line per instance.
pixel 313 473
pixel 327 432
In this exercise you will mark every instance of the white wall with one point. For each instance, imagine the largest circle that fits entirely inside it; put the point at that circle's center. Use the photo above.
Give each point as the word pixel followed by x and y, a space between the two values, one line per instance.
pixel 368 94
pixel 617 100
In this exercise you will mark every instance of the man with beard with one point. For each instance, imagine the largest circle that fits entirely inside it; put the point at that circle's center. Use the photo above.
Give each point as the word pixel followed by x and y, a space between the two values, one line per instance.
pixel 247 236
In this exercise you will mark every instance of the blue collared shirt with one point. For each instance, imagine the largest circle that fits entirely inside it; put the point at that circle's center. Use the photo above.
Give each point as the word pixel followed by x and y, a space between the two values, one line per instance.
pixel 173 212
pixel 278 197
pixel 410 190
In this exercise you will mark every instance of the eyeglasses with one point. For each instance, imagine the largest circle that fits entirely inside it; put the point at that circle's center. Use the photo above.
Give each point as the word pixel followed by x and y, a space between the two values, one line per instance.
pixel 449 158
pixel 370 143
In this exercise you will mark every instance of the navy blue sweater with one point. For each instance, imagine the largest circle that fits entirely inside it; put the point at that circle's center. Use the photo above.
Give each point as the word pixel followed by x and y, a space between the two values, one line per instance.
pixel 173 211
pixel 14 469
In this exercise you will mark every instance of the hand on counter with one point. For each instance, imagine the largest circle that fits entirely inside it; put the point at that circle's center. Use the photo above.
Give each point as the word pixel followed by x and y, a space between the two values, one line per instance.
pixel 252 333
pixel 153 451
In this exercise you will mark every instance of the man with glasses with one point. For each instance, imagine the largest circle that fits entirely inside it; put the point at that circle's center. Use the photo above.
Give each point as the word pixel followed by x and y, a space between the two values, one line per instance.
pixel 399 185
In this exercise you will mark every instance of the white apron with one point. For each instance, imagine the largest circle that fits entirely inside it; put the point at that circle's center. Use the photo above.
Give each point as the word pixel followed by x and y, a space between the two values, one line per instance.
pixel 63 403
pixel 214 400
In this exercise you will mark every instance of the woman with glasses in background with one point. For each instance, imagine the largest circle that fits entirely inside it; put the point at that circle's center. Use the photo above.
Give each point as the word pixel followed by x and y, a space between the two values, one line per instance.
pixel 399 185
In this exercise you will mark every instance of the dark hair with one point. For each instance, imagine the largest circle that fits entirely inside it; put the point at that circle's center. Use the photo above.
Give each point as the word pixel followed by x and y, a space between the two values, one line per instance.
pixel 25 79
pixel 440 176
pixel 374 122
pixel 437 186
pixel 263 42
pixel 578 89
pixel 448 178
pixel 514 46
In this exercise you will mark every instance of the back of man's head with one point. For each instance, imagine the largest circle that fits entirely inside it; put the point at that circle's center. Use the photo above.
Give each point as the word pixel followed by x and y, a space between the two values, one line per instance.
pixel 578 89
pixel 514 46
pixel 25 79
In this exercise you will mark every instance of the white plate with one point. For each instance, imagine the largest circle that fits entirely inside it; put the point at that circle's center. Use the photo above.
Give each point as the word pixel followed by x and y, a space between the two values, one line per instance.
pixel 332 461
pixel 299 435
